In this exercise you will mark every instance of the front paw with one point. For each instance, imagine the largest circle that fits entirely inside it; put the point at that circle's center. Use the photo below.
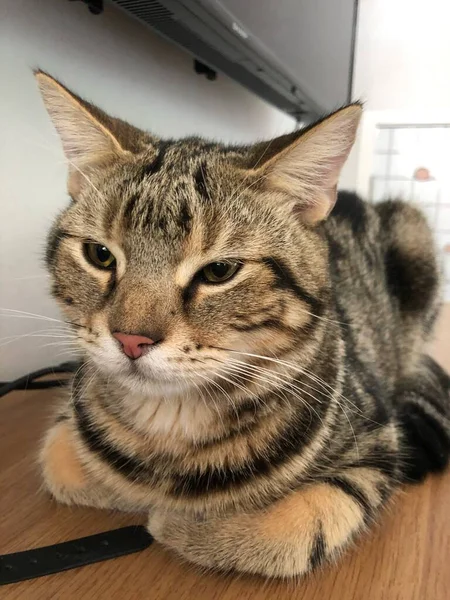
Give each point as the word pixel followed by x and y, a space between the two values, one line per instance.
pixel 64 475
pixel 292 537
pixel 188 536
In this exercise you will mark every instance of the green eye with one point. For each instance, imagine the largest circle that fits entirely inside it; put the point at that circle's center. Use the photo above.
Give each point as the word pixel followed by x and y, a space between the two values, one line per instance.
pixel 99 255
pixel 217 272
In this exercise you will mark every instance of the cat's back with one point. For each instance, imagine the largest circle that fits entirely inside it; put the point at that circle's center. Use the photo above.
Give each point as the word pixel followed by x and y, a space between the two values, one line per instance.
pixel 385 276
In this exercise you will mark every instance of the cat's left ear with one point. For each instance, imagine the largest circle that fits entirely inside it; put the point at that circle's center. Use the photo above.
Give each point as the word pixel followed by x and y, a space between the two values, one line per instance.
pixel 307 170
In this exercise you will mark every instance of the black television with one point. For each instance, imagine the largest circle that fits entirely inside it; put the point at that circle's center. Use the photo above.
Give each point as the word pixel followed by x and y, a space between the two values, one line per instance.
pixel 296 54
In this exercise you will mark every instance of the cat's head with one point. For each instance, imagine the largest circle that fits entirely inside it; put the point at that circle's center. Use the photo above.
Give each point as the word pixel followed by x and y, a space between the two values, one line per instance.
pixel 176 259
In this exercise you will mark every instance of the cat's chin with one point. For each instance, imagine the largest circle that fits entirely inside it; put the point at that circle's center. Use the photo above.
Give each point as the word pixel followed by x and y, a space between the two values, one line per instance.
pixel 153 386
pixel 147 377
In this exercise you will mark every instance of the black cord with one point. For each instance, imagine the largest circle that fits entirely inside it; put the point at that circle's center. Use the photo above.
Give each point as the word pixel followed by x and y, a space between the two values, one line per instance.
pixel 27 382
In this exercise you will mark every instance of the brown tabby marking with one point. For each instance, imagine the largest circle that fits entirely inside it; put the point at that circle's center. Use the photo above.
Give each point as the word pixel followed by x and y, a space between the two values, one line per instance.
pixel 276 411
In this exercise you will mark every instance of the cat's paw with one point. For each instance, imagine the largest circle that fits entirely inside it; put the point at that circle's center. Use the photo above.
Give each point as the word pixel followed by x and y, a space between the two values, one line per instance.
pixel 292 537
pixel 64 475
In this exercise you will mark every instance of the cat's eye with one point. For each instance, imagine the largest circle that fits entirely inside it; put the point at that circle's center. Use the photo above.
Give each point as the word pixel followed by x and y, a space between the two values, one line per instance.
pixel 99 255
pixel 217 272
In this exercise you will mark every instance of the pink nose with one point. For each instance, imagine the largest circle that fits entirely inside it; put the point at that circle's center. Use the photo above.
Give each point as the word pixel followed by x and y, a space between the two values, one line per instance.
pixel 133 346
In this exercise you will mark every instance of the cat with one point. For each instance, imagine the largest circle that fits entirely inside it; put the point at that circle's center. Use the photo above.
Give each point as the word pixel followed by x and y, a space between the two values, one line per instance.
pixel 255 377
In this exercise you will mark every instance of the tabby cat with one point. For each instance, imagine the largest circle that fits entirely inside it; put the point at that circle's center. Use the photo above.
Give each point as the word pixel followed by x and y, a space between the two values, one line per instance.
pixel 254 373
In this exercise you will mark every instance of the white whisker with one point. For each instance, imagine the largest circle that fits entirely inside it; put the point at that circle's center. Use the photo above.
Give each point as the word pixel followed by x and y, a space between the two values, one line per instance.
pixel 209 381
pixel 28 314
pixel 32 335
pixel 289 386
pixel 28 277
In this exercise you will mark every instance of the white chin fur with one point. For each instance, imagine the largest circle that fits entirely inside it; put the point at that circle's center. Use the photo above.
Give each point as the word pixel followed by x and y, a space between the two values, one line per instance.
pixel 160 401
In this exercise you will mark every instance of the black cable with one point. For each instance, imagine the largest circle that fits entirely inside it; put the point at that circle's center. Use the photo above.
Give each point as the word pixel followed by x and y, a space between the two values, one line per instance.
pixel 27 382
pixel 35 385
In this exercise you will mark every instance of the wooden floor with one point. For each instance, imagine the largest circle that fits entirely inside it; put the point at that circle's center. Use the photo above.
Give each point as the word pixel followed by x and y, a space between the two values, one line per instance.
pixel 406 558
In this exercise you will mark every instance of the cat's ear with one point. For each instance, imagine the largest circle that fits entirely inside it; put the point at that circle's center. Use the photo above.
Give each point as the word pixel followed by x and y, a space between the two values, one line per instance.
pixel 307 169
pixel 89 136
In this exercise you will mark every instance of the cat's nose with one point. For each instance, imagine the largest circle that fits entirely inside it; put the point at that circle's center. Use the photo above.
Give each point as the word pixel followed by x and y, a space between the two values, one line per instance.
pixel 133 345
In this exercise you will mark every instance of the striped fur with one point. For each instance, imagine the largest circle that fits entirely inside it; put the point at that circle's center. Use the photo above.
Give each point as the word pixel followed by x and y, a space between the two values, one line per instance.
pixel 282 408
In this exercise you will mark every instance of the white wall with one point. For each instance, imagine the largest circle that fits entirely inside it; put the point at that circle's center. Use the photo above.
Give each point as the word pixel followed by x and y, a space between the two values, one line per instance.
pixel 127 70
pixel 403 55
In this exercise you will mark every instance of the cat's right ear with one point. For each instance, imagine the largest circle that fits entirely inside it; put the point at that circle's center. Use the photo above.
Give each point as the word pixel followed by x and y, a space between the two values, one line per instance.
pixel 89 136
pixel 303 169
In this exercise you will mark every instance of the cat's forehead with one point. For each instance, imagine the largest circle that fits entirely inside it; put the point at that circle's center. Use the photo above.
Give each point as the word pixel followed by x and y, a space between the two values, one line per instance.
pixel 186 166
pixel 174 182
pixel 183 157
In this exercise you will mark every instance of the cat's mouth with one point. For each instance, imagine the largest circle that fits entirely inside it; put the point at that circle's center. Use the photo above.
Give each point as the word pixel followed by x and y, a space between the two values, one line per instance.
pixel 148 374
pixel 167 370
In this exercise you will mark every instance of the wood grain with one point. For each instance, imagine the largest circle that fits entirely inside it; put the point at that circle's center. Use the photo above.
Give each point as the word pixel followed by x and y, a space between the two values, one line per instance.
pixel 405 558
